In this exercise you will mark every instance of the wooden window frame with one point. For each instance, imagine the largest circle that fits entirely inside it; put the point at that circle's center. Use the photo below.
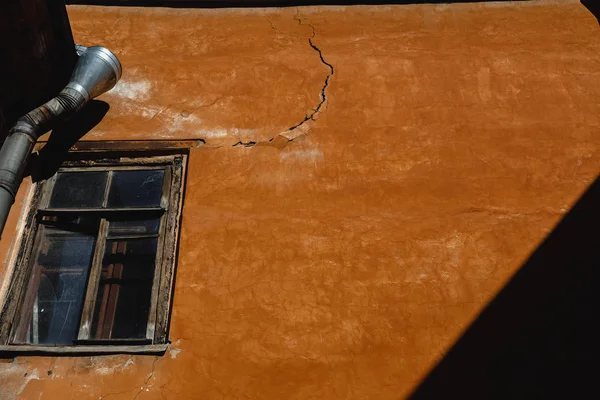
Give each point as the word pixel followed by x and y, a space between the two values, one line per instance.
pixel 156 341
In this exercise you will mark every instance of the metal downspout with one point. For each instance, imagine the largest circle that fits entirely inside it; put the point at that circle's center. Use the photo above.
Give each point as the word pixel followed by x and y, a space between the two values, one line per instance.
pixel 97 71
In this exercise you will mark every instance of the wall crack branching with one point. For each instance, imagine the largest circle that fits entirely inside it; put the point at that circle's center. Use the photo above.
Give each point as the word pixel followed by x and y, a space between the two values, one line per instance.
pixel 323 95
pixel 313 115
pixel 150 376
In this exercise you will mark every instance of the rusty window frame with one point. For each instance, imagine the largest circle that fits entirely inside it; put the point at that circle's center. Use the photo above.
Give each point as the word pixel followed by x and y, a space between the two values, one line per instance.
pixel 162 286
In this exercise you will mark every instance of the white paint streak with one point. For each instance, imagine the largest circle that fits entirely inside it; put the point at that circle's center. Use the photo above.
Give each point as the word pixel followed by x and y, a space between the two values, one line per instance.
pixel 211 134
pixel 166 122
pixel 178 123
pixel 128 363
pixel 133 90
pixel 131 108
pixel 97 133
pixel 303 155
pixel 173 122
pixel 103 370
pixel 222 133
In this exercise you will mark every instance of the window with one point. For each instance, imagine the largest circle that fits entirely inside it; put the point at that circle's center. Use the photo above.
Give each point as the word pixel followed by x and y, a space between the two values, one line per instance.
pixel 97 264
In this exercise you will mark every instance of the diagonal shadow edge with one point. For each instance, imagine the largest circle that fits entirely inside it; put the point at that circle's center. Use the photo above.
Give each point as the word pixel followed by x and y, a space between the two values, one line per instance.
pixel 535 338
pixel 593 6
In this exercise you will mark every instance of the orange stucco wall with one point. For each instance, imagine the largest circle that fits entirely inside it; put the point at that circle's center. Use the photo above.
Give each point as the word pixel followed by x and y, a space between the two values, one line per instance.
pixel 341 259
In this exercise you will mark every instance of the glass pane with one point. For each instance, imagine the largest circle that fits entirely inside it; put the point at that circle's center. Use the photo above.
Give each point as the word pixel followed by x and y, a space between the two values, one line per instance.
pixel 121 227
pixel 87 224
pixel 136 189
pixel 78 189
pixel 123 300
pixel 57 285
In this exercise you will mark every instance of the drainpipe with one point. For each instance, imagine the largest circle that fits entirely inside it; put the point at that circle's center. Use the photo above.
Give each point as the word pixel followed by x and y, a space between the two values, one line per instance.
pixel 97 71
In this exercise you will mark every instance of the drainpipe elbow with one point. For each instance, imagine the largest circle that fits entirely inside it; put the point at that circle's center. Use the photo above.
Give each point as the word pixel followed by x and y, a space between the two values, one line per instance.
pixel 40 120
pixel 97 71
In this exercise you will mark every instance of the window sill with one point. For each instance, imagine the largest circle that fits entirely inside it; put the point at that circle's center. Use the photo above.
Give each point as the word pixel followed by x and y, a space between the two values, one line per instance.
pixel 34 350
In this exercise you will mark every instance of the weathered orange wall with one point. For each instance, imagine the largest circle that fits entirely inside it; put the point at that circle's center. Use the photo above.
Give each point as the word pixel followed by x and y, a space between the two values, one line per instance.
pixel 341 259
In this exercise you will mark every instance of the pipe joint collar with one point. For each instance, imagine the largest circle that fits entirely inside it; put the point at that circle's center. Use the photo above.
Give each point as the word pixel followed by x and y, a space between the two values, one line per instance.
pixel 30 129
pixel 9 188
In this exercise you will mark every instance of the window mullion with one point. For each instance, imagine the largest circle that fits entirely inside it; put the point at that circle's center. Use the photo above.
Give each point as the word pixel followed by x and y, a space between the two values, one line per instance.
pixel 93 282
pixel 109 179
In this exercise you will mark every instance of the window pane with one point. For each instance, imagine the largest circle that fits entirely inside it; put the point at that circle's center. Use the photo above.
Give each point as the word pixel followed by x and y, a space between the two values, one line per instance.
pixel 78 189
pixel 57 285
pixel 87 224
pixel 122 227
pixel 136 189
pixel 123 300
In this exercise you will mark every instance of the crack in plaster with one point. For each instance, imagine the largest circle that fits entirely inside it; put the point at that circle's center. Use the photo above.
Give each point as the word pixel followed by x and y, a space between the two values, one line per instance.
pixel 144 386
pixel 323 95
pixel 150 376
pixel 323 89
pixel 247 144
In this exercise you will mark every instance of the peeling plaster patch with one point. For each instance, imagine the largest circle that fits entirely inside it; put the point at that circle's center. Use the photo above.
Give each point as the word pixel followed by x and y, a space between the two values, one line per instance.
pixel 304 155
pixel 14 378
pixel 133 90
pixel 174 352
pixel 29 377
pixel 110 365
pixel 13 368
pixel 299 131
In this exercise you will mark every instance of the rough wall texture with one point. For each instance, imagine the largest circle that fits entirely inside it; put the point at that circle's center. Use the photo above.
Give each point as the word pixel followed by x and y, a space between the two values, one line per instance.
pixel 340 259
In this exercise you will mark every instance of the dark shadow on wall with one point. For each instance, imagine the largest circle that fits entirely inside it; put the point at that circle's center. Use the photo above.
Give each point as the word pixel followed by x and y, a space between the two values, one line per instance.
pixel 535 339
pixel 593 6
pixel 48 160
pixel 260 3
